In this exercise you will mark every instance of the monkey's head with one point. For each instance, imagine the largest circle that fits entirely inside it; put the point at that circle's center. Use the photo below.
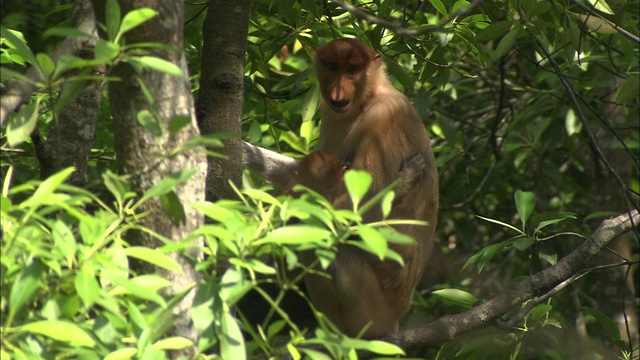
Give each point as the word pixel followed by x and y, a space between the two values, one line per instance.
pixel 321 172
pixel 342 67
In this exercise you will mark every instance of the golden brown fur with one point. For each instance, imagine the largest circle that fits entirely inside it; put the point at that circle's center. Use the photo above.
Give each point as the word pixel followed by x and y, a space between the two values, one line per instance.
pixel 370 125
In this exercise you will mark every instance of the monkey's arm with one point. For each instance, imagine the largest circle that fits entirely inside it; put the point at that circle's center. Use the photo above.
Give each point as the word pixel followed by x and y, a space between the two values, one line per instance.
pixel 276 168
pixel 279 169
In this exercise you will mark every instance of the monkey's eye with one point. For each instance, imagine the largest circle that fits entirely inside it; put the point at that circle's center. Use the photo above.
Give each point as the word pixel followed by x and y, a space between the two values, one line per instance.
pixel 333 67
pixel 352 69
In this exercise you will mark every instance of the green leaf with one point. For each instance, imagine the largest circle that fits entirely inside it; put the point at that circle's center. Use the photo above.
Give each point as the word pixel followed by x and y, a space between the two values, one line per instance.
pixel 525 203
pixel 154 256
pixel 65 241
pixel 146 119
pixel 87 286
pixel 172 343
pixel 122 354
pixel 572 123
pixel 550 218
pixel 61 331
pixel 126 286
pixel 456 297
pixel 438 5
pixel 16 39
pixel 22 124
pixel 523 243
pixel 46 64
pixel 547 253
pixel 293 235
pixel 177 123
pixel 215 211
pixel 386 203
pixel 494 31
pixel 309 104
pixel 601 5
pixel 604 320
pixel 7 73
pixel 374 346
pixel 358 183
pixel 46 189
pixel 70 62
pixel 173 207
pixel 112 17
pixel 27 283
pixel 500 223
pixel 106 51
pixel 158 64
pixel 232 345
pixel 65 32
pixel 374 241
pixel 628 91
pixel 208 141
pixel 135 18
pixel 538 312
pixel 506 43
pixel 167 184
pixel 483 256
pixel 72 89
pixel 116 185
pixel 396 237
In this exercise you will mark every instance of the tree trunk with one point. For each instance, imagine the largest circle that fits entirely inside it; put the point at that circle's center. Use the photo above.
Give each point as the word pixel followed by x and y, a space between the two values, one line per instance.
pixel 70 140
pixel 145 156
pixel 221 89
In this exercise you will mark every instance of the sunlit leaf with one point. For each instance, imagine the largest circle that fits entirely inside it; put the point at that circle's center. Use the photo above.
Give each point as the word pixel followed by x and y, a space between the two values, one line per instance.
pixel 158 64
pixel 122 354
pixel 358 183
pixel 601 5
pixel 87 286
pixel 23 123
pixel 153 256
pixel 135 18
pixel 61 331
pixel 172 343
pixel 375 242
pixel 456 297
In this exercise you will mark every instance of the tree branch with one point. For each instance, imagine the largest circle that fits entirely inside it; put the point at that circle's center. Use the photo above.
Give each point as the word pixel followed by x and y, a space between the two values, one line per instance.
pixel 276 168
pixel 448 327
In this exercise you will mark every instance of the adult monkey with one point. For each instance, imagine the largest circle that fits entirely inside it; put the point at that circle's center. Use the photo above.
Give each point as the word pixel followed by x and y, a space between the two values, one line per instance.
pixel 372 126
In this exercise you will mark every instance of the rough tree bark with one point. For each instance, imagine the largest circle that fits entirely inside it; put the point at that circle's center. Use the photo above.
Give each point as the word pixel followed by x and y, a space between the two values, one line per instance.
pixel 221 89
pixel 144 156
pixel 70 140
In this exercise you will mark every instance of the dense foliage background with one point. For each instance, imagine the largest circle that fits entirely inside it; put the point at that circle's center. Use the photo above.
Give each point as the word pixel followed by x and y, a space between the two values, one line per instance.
pixel 533 108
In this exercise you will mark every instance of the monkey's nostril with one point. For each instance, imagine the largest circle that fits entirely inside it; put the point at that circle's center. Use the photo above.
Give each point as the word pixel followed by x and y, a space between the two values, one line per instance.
pixel 339 103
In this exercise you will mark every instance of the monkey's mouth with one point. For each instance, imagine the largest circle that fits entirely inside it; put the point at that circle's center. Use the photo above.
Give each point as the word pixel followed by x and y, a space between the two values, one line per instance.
pixel 340 105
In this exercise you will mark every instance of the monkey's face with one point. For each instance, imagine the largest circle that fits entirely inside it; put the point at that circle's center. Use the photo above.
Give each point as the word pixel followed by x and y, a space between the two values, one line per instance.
pixel 341 67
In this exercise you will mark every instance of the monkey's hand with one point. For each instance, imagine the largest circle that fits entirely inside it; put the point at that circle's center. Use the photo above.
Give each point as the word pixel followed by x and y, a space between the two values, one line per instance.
pixel 408 175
